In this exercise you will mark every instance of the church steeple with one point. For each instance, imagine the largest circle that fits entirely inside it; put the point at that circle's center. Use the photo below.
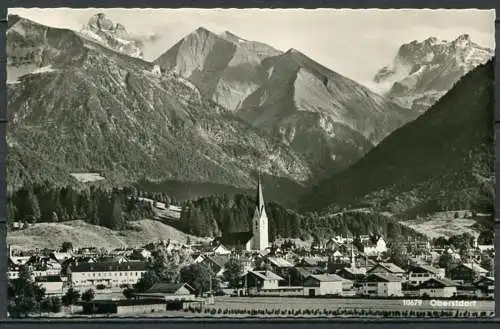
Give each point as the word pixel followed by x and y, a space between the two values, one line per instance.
pixel 260 197
pixel 260 229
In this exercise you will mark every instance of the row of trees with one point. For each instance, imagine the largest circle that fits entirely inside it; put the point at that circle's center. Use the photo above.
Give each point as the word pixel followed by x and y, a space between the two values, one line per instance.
pixel 97 206
pixel 211 216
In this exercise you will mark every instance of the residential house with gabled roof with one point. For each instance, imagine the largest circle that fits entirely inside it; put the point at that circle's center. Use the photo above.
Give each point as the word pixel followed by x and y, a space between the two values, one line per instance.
pixel 467 272
pixel 387 268
pixel 419 273
pixel 315 261
pixel 216 263
pixel 485 286
pixel 380 285
pixel 353 273
pixel 326 284
pixel 298 275
pixel 438 288
pixel 256 281
pixel 279 265
pixel 221 250
pixel 168 291
pixel 374 249
pixel 53 284
pixel 43 266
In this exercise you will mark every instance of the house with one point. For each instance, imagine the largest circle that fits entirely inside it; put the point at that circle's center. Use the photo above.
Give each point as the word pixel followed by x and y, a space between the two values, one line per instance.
pixel 43 266
pixel 467 272
pixel 485 287
pixel 52 284
pixel 380 285
pixel 352 273
pixel 216 263
pixel 108 273
pixel 313 262
pixel 326 284
pixel 221 250
pixel 262 280
pixel 420 273
pixel 61 256
pixel 168 291
pixel 387 268
pixel 279 266
pixel 297 275
pixel 438 288
pixel 485 247
pixel 377 248
pixel 332 244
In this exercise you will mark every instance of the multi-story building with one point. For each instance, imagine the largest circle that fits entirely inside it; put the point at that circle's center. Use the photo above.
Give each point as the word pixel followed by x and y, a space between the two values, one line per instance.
pixel 418 274
pixel 438 287
pixel 380 285
pixel 108 273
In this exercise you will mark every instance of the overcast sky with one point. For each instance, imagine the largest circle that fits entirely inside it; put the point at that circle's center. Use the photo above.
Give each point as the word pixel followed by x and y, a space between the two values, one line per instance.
pixel 355 43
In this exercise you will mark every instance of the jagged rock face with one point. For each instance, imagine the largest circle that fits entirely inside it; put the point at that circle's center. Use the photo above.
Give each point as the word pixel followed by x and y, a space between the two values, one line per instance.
pixel 331 120
pixel 104 31
pixel 98 110
pixel 423 72
pixel 442 160
pixel 225 67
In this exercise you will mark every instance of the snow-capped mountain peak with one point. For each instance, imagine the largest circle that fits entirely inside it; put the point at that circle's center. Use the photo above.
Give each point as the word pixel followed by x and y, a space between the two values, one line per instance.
pixel 422 72
pixel 115 36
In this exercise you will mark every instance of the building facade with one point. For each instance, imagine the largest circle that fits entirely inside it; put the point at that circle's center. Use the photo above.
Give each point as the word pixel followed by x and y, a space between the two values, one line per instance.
pixel 381 285
pixel 110 274
pixel 438 288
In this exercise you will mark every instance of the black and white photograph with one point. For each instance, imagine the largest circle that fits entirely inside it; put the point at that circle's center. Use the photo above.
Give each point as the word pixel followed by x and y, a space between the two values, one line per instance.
pixel 250 163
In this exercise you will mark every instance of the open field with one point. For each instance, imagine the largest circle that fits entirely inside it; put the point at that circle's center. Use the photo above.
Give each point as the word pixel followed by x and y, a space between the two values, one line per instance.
pixel 442 224
pixel 81 234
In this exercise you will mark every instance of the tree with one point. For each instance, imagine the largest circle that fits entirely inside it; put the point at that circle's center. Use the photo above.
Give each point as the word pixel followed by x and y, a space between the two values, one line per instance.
pixel 71 297
pixel 25 296
pixel 399 255
pixel 66 246
pixel 198 276
pixel 51 304
pixel 32 210
pixel 441 242
pixel 447 262
pixel 233 272
pixel 88 295
pixel 128 292
pixel 147 281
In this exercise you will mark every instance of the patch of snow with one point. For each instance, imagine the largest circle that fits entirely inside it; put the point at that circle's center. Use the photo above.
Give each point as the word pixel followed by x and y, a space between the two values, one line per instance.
pixel 87 177
pixel 44 69
pixel 92 35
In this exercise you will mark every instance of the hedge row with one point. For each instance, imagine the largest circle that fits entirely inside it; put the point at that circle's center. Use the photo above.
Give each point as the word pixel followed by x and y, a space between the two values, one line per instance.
pixel 341 312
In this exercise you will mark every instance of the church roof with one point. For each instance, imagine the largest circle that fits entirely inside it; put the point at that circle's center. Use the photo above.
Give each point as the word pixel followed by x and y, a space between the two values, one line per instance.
pixel 232 238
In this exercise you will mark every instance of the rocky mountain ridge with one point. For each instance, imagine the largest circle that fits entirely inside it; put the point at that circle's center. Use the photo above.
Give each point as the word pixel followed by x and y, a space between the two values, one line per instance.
pixel 329 119
pixel 115 36
pixel 444 160
pixel 84 107
pixel 422 72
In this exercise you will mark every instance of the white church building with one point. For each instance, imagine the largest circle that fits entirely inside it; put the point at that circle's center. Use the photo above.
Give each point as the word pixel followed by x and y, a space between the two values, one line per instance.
pixel 257 238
